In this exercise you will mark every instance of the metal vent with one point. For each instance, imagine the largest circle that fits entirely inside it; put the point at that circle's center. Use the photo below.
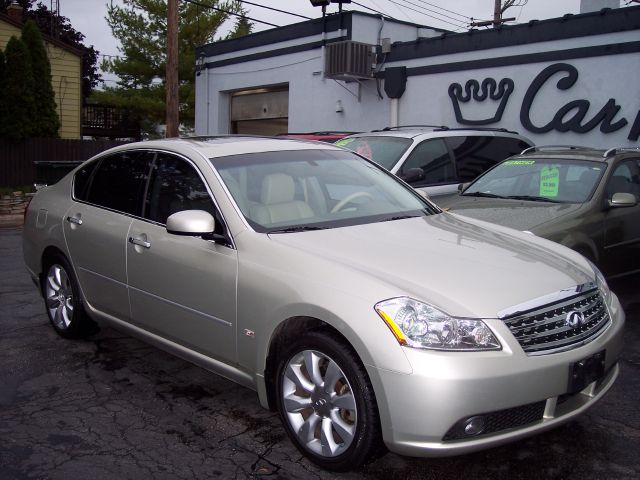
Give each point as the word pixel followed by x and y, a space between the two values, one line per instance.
pixel 348 60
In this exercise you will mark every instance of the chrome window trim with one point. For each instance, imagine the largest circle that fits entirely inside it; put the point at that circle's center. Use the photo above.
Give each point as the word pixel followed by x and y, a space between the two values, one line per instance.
pixel 545 300
pixel 226 191
pixel 155 151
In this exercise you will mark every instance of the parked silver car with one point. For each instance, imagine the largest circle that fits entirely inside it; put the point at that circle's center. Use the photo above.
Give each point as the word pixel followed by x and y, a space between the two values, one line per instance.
pixel 356 308
pixel 436 159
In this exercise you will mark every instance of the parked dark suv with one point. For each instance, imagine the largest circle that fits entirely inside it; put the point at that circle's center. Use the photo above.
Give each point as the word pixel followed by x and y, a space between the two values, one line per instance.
pixel 436 159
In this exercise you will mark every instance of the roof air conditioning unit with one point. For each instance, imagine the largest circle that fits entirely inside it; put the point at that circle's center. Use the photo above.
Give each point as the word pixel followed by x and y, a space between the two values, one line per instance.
pixel 348 61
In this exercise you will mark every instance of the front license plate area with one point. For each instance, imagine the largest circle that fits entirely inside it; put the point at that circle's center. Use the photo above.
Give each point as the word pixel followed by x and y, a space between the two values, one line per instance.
pixel 586 371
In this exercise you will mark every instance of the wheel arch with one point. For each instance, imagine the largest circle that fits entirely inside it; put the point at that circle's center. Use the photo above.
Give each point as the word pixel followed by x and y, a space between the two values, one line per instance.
pixel 49 252
pixel 282 335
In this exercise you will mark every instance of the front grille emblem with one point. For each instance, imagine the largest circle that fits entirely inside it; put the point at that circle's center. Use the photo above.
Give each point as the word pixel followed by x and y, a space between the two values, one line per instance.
pixel 574 319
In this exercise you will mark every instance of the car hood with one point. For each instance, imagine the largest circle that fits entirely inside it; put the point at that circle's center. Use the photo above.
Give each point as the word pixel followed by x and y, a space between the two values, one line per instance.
pixel 465 267
pixel 518 214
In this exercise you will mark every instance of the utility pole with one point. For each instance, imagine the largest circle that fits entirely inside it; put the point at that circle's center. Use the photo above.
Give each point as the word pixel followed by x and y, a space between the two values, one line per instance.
pixel 498 10
pixel 171 83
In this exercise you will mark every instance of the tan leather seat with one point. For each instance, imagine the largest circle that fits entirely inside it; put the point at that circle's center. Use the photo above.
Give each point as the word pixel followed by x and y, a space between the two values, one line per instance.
pixel 277 201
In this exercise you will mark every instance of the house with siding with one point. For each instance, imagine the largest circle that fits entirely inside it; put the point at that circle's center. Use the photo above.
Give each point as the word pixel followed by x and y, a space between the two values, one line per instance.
pixel 66 74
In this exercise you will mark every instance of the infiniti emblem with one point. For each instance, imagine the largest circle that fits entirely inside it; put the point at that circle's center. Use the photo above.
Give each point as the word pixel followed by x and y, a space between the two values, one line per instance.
pixel 574 319
pixel 321 402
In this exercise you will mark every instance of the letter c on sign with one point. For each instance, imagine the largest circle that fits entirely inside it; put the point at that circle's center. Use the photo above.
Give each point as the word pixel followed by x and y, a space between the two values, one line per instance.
pixel 564 83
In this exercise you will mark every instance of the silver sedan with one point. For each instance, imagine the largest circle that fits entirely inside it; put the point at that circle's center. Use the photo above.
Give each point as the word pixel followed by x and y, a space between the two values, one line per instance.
pixel 363 314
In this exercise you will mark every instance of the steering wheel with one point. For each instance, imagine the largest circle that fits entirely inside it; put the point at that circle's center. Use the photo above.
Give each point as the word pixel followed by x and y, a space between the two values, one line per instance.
pixel 349 198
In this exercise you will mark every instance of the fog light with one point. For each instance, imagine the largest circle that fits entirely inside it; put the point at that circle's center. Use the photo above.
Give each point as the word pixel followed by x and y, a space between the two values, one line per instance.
pixel 474 426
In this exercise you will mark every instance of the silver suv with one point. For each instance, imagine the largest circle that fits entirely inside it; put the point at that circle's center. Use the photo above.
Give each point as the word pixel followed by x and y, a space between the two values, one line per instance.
pixel 436 159
pixel 361 312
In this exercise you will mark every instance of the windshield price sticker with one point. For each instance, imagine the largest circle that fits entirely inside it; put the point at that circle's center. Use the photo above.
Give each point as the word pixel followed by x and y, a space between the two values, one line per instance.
pixel 549 181
pixel 344 141
pixel 520 162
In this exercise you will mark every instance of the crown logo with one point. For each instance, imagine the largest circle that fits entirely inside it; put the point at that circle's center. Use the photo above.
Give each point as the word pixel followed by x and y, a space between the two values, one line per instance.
pixel 485 113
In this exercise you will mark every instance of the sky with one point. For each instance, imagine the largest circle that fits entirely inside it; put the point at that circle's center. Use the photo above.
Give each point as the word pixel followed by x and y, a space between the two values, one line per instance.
pixel 88 16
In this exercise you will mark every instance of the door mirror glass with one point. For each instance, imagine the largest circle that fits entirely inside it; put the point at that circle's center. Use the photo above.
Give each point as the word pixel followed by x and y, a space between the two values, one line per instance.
pixel 190 223
pixel 413 175
pixel 623 200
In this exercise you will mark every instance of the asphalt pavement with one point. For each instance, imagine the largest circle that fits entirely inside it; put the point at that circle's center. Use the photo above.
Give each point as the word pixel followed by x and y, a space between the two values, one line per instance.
pixel 112 407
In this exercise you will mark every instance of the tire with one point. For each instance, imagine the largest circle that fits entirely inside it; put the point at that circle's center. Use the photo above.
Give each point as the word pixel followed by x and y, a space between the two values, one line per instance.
pixel 335 425
pixel 63 301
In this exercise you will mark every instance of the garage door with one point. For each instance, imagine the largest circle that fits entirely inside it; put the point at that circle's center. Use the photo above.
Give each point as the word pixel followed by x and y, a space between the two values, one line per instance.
pixel 262 111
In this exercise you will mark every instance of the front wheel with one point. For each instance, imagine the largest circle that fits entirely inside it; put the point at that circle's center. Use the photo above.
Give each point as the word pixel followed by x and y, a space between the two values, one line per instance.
pixel 327 404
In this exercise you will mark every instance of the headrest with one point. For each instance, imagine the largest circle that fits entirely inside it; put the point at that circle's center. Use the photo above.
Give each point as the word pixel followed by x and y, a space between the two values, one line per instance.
pixel 277 188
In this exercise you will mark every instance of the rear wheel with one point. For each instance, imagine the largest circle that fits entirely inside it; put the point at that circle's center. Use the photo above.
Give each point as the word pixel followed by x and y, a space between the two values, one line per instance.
pixel 63 301
pixel 326 402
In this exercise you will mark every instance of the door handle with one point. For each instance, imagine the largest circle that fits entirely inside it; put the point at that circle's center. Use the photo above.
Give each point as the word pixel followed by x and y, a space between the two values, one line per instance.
pixel 140 242
pixel 76 220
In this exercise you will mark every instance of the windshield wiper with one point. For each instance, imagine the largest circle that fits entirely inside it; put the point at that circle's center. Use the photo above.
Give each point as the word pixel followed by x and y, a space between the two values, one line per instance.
pixel 482 194
pixel 533 198
pixel 299 228
pixel 398 217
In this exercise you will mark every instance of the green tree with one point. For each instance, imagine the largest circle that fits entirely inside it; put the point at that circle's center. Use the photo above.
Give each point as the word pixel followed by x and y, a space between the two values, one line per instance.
pixel 60 28
pixel 141 28
pixel 19 103
pixel 46 122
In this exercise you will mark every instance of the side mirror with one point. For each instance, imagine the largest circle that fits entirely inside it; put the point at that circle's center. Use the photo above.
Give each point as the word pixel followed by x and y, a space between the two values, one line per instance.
pixel 413 175
pixel 462 186
pixel 623 200
pixel 193 223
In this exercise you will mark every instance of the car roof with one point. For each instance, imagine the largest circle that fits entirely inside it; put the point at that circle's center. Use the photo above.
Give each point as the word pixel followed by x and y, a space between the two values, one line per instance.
pixel 410 131
pixel 571 152
pixel 227 145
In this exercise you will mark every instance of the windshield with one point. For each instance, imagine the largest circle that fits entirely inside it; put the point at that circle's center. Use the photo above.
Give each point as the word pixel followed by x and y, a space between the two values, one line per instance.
pixel 385 151
pixel 315 189
pixel 552 180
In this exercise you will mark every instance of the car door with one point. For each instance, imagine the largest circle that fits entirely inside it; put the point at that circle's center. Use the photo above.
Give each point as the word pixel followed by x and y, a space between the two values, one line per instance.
pixel 622 224
pixel 107 193
pixel 182 288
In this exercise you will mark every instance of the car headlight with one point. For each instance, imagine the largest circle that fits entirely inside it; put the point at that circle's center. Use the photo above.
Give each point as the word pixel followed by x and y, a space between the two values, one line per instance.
pixel 416 324
pixel 603 287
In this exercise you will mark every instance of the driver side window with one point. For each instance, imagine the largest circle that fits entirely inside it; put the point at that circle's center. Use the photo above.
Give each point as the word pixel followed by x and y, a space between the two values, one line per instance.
pixel 432 157
pixel 175 186
pixel 625 179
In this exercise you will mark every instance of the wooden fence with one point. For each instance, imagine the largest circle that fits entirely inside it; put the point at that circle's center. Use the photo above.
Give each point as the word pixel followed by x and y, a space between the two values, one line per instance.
pixel 17 165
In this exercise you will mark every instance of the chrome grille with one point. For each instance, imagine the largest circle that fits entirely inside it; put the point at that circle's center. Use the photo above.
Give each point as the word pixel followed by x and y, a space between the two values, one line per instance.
pixel 547 329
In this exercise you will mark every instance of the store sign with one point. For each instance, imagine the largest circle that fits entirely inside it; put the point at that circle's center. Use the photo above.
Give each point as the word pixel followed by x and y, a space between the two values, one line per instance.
pixel 571 117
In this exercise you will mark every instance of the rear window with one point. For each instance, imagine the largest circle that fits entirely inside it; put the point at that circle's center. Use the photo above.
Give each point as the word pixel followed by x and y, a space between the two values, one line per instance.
pixel 119 180
pixel 476 154
pixel 81 180
pixel 385 151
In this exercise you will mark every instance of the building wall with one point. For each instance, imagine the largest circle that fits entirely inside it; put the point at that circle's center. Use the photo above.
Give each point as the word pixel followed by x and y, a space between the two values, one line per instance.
pixel 66 73
pixel 602 82
pixel 597 104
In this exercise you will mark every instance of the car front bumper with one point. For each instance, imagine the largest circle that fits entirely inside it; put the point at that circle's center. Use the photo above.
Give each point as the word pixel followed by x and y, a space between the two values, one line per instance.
pixel 515 394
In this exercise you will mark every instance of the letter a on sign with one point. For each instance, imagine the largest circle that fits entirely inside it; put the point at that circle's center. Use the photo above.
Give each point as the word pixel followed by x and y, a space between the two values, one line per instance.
pixel 549 181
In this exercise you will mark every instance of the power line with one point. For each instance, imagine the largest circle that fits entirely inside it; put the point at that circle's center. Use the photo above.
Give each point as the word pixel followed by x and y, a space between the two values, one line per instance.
pixel 372 9
pixel 275 9
pixel 442 8
pixel 193 2
pixel 458 25
pixel 436 12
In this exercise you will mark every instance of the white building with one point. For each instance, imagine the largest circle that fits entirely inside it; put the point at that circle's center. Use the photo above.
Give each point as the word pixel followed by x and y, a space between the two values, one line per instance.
pixel 568 80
